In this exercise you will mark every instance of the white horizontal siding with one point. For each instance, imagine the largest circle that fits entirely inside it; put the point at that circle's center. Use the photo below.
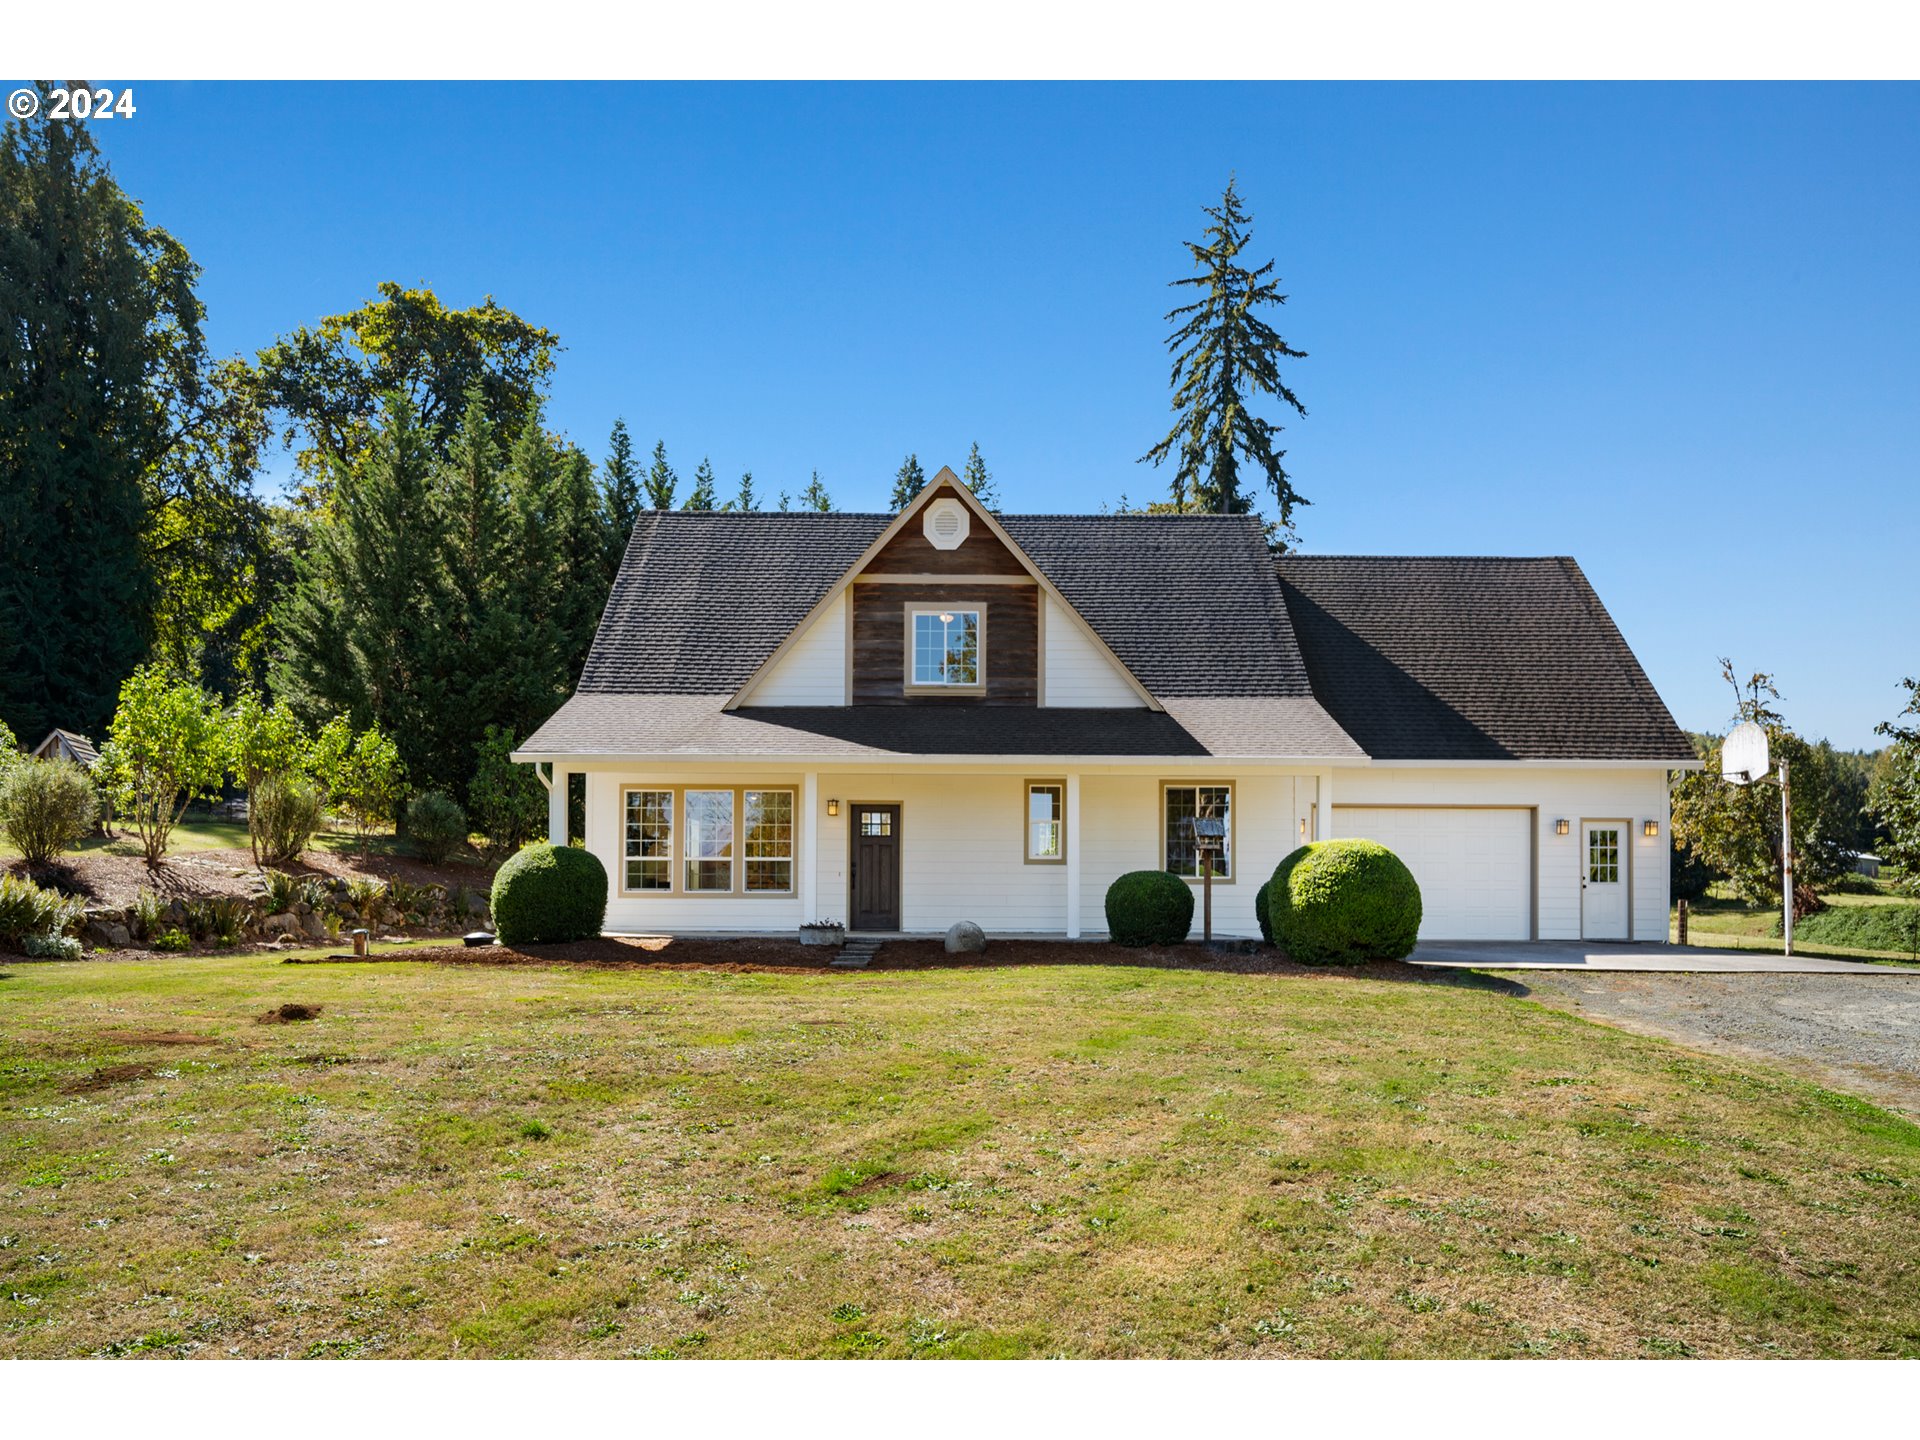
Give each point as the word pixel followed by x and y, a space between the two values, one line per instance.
pixel 1078 674
pixel 814 670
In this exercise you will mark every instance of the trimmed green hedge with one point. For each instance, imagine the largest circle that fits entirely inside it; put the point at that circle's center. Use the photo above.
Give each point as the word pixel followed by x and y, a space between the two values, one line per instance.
pixel 549 894
pixel 1894 928
pixel 1343 902
pixel 1261 912
pixel 1149 907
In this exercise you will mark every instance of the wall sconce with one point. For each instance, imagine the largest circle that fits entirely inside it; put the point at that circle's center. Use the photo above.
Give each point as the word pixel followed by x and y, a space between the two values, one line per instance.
pixel 1303 829
pixel 833 807
pixel 1560 827
pixel 1650 829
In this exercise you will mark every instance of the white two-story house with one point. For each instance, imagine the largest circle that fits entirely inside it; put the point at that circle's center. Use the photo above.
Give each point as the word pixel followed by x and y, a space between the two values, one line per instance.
pixel 900 721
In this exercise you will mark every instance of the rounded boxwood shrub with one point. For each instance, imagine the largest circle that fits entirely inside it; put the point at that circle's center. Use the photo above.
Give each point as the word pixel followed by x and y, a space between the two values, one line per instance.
pixel 1343 902
pixel 437 826
pixel 548 894
pixel 1261 913
pixel 1149 907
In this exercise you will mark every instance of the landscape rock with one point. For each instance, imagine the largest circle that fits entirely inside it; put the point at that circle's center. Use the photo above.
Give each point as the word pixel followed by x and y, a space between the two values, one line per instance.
pixel 313 925
pixel 965 938
pixel 108 935
pixel 280 924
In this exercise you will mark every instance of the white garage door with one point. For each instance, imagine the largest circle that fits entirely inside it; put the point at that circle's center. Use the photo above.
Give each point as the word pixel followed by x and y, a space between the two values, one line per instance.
pixel 1474 866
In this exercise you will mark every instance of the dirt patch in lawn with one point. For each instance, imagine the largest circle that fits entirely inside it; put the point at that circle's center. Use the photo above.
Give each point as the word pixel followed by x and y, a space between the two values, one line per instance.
pixel 106 1077
pixel 287 1014
pixel 156 1037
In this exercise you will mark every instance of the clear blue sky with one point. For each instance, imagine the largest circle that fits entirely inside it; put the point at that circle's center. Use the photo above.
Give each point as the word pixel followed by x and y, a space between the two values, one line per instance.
pixel 1672 331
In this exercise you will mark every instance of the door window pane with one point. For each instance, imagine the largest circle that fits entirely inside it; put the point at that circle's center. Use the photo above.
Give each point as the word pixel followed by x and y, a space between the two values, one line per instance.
pixel 709 844
pixel 1603 857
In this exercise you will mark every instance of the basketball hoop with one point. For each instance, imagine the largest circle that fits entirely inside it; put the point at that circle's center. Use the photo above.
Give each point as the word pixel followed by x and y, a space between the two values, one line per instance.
pixel 1743 754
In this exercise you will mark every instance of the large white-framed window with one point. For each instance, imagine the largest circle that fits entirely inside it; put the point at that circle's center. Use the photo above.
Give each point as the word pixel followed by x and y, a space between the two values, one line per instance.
pixel 766 840
pixel 1180 803
pixel 647 840
pixel 1046 821
pixel 946 647
pixel 708 826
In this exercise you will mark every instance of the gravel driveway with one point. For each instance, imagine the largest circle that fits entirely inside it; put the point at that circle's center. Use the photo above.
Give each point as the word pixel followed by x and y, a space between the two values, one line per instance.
pixel 1859 1033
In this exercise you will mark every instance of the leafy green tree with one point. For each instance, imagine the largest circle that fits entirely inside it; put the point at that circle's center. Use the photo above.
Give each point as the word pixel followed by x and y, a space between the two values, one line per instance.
pixel 977 478
pixel 11 756
pixel 1897 790
pixel 165 749
pixel 619 495
pixel 1735 829
pixel 329 385
pixel 505 799
pixel 265 743
pixel 703 496
pixel 908 481
pixel 661 481
pixel 363 775
pixel 1225 357
pixel 746 499
pixel 815 496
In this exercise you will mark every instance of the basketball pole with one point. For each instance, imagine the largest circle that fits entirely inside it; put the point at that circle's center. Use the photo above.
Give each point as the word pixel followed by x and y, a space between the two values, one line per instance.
pixel 1786 854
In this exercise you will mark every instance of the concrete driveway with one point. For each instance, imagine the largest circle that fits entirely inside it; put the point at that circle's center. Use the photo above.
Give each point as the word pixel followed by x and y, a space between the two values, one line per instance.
pixel 1592 956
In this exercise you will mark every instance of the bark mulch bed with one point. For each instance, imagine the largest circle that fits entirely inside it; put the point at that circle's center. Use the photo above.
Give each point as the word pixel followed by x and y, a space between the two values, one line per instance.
pixel 775 955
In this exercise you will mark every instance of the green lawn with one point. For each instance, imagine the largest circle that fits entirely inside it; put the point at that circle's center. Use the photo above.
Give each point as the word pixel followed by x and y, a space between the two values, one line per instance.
pixel 1076 1161
pixel 197 833
pixel 1722 919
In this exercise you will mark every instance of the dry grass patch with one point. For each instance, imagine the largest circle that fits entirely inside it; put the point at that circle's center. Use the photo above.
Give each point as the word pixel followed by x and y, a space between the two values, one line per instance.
pixel 523 1160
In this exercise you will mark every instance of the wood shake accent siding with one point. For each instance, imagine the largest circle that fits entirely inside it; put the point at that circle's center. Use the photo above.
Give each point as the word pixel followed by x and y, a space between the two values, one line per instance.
pixel 1010 620
pixel 911 553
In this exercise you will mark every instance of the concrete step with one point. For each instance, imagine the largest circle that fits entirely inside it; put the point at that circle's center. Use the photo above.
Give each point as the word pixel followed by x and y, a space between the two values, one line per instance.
pixel 854 955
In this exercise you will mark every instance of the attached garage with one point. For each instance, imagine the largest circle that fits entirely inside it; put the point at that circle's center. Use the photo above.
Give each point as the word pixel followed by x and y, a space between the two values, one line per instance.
pixel 1474 865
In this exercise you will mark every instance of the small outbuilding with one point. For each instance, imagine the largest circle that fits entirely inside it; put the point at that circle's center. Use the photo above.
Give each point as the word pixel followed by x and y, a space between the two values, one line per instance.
pixel 65 745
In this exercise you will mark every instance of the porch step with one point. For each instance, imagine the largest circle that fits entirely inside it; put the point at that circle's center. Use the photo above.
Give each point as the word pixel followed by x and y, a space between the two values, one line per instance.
pixel 854 955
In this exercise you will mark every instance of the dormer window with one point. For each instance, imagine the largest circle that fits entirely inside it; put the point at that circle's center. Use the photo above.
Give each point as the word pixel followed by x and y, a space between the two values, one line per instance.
pixel 945 649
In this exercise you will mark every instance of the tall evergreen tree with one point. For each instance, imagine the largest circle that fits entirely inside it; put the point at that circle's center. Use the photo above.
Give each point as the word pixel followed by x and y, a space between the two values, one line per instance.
pixel 357 632
pixel 1226 356
pixel 784 502
pixel 703 496
pixel 103 371
pixel 661 481
pixel 619 495
pixel 908 481
pixel 977 478
pixel 746 499
pixel 815 496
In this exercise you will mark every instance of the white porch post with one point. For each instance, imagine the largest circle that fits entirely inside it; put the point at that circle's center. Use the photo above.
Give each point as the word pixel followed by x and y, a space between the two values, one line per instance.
pixel 810 846
pixel 1323 806
pixel 557 807
pixel 1074 847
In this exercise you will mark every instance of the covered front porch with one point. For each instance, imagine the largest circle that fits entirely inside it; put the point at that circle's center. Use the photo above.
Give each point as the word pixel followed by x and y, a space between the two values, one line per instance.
pixel 1023 849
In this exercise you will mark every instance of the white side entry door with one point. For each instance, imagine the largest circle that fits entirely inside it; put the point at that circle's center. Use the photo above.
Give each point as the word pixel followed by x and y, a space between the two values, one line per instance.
pixel 1603 880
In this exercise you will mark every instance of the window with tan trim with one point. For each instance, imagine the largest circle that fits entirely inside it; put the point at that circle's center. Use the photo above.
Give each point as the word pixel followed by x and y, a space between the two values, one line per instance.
pixel 1046 822
pixel 766 839
pixel 686 843
pixel 946 648
pixel 1180 803
pixel 647 842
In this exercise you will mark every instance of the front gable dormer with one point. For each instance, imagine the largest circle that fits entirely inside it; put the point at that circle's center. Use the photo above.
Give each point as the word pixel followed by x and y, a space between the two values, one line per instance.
pixel 944 608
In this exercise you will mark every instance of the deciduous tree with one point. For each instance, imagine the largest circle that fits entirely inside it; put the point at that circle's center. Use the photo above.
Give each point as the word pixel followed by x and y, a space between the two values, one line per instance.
pixel 1897 789
pixel 165 749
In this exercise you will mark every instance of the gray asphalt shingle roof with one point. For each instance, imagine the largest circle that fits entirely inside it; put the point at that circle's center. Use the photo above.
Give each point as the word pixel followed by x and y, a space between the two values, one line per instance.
pixel 1458 658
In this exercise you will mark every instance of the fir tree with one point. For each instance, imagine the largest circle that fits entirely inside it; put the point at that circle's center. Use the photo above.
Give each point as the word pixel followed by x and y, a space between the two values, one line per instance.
pixel 785 502
pixel 815 496
pixel 977 478
pixel 1225 357
pixel 619 495
pixel 746 499
pixel 661 481
pixel 703 496
pixel 908 481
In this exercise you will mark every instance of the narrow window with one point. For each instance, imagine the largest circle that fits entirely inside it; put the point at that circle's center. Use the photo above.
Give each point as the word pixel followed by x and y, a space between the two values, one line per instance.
pixel 946 648
pixel 1046 822
pixel 649 840
pixel 766 837
pixel 709 844
pixel 1186 802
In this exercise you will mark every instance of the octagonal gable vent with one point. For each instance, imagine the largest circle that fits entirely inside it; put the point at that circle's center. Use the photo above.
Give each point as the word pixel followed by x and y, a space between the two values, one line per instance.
pixel 946 523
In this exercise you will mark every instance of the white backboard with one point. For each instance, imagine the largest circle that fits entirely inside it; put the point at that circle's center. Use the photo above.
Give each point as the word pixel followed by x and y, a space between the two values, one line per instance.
pixel 1743 754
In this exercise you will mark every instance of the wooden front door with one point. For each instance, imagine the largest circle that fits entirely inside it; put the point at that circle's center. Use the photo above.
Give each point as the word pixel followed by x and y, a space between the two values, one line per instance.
pixel 875 878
